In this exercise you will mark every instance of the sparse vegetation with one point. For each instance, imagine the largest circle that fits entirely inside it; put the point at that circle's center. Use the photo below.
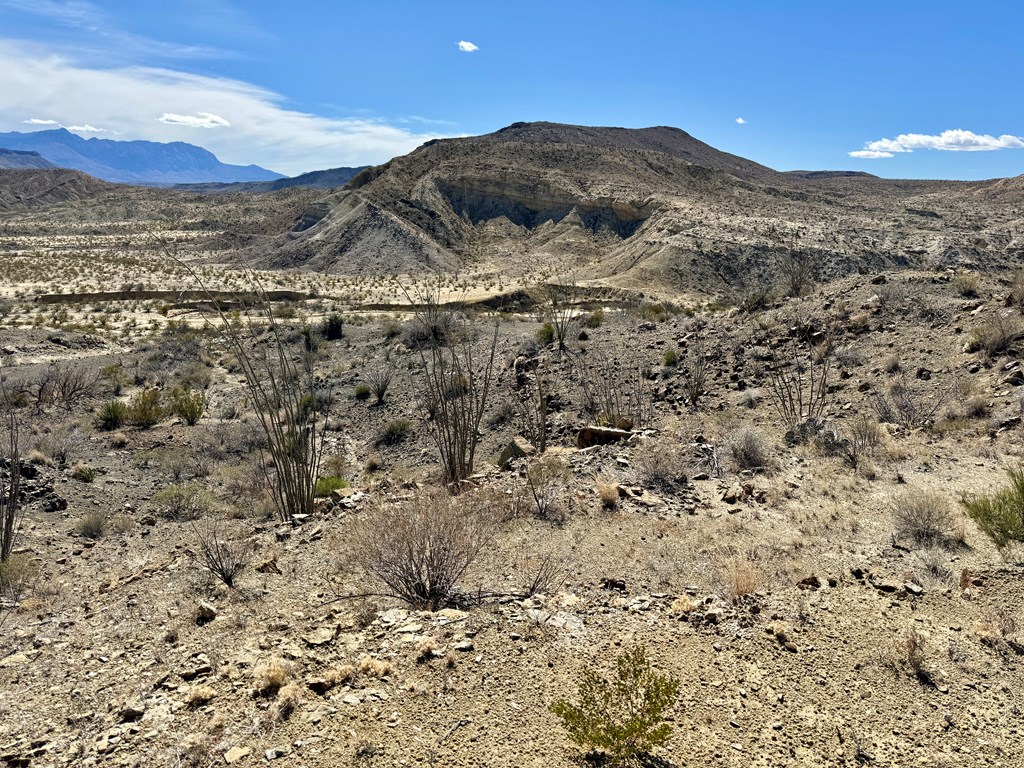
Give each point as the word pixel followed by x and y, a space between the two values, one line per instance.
pixel 924 518
pixel 1000 515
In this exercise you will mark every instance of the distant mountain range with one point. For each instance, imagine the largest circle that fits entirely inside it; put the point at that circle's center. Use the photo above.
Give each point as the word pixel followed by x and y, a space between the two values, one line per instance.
pixel 129 162
pixel 13 159
pixel 331 178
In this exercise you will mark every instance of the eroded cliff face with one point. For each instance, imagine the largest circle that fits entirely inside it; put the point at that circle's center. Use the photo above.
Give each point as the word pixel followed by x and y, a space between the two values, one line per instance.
pixel 652 207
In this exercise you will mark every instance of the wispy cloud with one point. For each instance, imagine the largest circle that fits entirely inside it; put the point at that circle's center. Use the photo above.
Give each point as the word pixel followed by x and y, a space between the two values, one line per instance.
pixel 87 129
pixel 131 101
pixel 198 120
pixel 740 121
pixel 39 121
pixel 467 47
pixel 948 141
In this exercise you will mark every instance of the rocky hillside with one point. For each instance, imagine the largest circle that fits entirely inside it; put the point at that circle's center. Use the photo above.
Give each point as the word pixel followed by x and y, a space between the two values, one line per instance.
pixel 25 189
pixel 640 208
pixel 332 178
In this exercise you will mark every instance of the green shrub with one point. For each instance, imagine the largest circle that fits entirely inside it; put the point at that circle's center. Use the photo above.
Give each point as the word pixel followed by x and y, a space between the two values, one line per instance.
pixel 325 485
pixel 17 574
pixel 653 311
pixel 187 404
pixel 995 337
pixel 145 410
pixel 394 432
pixel 111 415
pixel 624 717
pixel 546 333
pixel 1001 514
pixel 595 318
pixel 115 377
pixel 670 358
pixel 333 327
pixel 184 501
pixel 363 392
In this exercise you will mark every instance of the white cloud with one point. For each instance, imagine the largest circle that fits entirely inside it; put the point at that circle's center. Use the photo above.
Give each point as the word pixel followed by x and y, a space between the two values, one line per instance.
pixel 948 141
pixel 870 154
pixel 198 120
pixel 86 129
pixel 39 121
pixel 740 121
pixel 467 47
pixel 130 100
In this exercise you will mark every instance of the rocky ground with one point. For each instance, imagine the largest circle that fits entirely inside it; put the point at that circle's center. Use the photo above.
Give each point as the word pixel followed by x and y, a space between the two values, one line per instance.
pixel 805 625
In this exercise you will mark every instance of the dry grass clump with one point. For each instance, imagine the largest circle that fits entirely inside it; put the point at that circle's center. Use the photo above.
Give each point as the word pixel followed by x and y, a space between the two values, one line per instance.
pixel 662 464
pixel 607 492
pixel 995 336
pixel 370 666
pixel 200 696
pixel 742 576
pixel 271 675
pixel 185 501
pixel 425 649
pixel 924 518
pixel 908 653
pixel 92 525
pixel 288 700
pixel 750 450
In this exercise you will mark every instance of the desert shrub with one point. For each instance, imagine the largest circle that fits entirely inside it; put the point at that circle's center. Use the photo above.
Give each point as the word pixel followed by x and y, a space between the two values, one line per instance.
pixel 698 364
pixel 742 576
pixel 187 404
pixel 420 548
pixel 271 675
pixel 925 518
pixel 546 333
pixel 749 449
pixel 860 439
pixel 326 485
pixel 17 574
pixel 616 393
pixel 670 358
pixel 906 402
pixel 184 501
pixel 223 556
pixel 114 377
pixel 662 464
pixel 1000 515
pixel 83 473
pixel 966 284
pixel 800 395
pixel 545 480
pixel 59 445
pixel 607 492
pixel 394 432
pixel 145 409
pixel 652 311
pixel 533 412
pixel 379 380
pixel 112 414
pixel 92 525
pixel 624 718
pixel 362 392
pixel 996 336
pixel 798 270
pixel 595 318
pixel 333 327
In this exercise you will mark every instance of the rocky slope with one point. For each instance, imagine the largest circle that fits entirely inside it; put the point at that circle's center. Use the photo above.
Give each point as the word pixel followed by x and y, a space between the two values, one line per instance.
pixel 15 159
pixel 634 208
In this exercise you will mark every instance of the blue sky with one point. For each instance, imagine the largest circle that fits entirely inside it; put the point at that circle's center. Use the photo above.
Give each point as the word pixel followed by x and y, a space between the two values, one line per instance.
pixel 298 86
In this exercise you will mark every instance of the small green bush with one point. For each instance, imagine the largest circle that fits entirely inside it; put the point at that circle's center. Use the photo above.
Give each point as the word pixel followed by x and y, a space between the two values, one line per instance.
pixel 996 336
pixel 325 485
pixel 146 410
pixel 546 333
pixel 187 404
pixel 625 717
pixel 1001 514
pixel 595 318
pixel 363 392
pixel 670 358
pixel 184 501
pixel 111 415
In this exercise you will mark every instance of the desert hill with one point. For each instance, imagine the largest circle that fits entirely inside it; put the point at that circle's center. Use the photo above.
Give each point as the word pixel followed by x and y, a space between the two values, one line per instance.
pixel 331 178
pixel 638 207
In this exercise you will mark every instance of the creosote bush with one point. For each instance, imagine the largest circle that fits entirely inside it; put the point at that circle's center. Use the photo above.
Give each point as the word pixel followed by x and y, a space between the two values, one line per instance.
pixel 1000 515
pixel 146 410
pixel 750 450
pixel 184 501
pixel 624 717
pixel 187 404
